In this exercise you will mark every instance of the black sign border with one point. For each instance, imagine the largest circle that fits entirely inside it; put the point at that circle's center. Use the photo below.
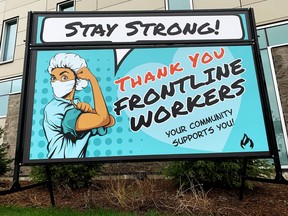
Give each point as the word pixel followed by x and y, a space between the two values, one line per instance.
pixel 26 109
pixel 116 14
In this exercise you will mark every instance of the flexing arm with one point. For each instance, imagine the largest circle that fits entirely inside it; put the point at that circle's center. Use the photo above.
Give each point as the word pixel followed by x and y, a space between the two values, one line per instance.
pixel 98 117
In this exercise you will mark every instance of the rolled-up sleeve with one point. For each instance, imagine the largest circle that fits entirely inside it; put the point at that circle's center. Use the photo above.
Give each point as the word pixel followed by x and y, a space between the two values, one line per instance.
pixel 69 125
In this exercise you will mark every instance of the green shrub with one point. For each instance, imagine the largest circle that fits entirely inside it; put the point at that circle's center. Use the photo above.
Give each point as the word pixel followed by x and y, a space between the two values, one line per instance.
pixel 4 161
pixel 73 176
pixel 217 173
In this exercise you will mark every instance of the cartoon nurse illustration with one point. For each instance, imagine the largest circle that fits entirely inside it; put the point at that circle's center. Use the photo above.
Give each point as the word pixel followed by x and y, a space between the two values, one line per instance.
pixel 69 123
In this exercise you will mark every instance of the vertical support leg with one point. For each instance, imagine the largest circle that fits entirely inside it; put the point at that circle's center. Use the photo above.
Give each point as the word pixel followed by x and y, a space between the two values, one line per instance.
pixel 279 176
pixel 50 186
pixel 243 177
pixel 16 174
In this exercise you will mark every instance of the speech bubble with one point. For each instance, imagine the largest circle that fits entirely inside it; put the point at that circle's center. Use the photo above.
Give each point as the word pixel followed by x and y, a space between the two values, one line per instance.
pixel 119 56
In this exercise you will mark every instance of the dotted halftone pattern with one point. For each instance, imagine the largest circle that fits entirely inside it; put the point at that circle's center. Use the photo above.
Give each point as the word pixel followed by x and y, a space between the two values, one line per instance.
pixel 101 64
pixel 119 140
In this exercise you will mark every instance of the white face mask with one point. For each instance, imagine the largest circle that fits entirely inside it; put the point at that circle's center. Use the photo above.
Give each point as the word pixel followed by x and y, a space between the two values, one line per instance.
pixel 61 89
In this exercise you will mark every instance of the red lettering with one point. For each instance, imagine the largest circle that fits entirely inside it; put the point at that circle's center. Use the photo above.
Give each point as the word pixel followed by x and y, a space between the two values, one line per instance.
pixel 194 59
pixel 162 72
pixel 206 58
pixel 121 82
pixel 138 82
pixel 149 77
pixel 221 54
pixel 175 68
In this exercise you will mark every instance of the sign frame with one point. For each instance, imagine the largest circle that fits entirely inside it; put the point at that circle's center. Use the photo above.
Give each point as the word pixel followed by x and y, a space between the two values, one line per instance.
pixel 26 110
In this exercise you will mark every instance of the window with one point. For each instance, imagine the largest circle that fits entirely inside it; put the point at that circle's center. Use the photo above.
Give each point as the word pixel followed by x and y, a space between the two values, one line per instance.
pixel 8 40
pixel 8 87
pixel 179 5
pixel 66 6
pixel 276 34
pixel 270 36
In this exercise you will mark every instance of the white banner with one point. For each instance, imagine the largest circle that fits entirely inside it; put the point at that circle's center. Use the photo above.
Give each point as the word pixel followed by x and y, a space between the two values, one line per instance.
pixel 133 29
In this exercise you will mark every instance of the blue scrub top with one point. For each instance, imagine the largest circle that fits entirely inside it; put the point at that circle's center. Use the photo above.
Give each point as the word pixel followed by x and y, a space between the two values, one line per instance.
pixel 64 141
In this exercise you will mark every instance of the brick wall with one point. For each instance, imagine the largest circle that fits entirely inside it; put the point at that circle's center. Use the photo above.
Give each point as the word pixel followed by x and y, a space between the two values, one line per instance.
pixel 11 128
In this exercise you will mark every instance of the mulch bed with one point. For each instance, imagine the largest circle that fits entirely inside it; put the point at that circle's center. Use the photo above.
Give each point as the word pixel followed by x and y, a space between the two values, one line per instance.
pixel 159 195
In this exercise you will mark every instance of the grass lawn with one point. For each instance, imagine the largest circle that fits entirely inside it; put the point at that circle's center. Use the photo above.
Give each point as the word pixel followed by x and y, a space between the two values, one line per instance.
pixel 29 211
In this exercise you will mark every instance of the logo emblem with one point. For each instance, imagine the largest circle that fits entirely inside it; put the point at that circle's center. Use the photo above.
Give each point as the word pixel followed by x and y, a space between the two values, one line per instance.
pixel 245 140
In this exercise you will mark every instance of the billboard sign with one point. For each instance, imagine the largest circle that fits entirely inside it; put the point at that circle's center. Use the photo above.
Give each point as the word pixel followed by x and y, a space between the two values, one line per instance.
pixel 149 86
